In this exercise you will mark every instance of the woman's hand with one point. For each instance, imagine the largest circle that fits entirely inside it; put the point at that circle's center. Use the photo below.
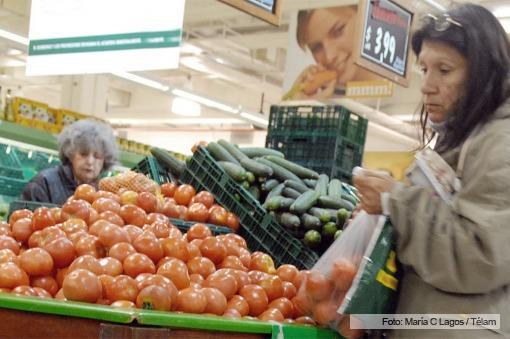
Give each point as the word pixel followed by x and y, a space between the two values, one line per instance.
pixel 370 185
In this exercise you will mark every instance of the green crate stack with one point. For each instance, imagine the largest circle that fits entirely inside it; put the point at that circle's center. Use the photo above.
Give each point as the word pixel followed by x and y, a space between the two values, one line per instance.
pixel 258 228
pixel 327 139
pixel 32 162
pixel 12 180
pixel 152 169
pixel 29 205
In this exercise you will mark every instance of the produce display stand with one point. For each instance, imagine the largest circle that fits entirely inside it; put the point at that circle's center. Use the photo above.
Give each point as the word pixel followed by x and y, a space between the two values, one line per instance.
pixel 35 317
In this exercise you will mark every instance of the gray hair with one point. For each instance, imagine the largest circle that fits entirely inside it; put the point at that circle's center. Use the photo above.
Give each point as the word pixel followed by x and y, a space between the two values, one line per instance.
pixel 86 136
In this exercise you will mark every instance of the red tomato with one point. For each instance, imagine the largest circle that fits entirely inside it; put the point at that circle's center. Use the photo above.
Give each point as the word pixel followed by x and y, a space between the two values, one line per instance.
pixel 12 275
pixel 90 244
pixel 232 313
pixel 18 214
pixel 216 301
pixel 318 287
pixel 226 283
pixel 287 272
pixel 133 231
pixel 304 320
pixel 82 285
pixel 109 195
pixel 48 283
pixel 22 229
pixel 190 300
pixel 74 225
pixel 147 201
pixel 262 262
pixel 122 287
pixel 344 327
pixel 300 278
pixel 213 249
pixel 233 262
pixel 62 251
pixel 123 304
pixel 171 210
pixel 175 247
pixel 197 212
pixel 159 280
pixel 148 244
pixel 42 218
pixel 42 293
pixel 111 217
pixel 168 189
pixel 121 251
pixel 183 194
pixel 7 242
pixel 343 273
pixel 133 215
pixel 205 198
pixel 56 212
pixel 257 276
pixel 273 286
pixel 238 239
pixel 137 263
pixel 201 265
pixel 285 306
pixel 232 221
pixel 177 271
pixel 5 229
pixel 154 298
pixel 196 278
pixel 289 290
pixel 61 274
pixel 159 228
pixel 303 306
pixel 76 209
pixel 112 234
pixel 85 192
pixel 272 314
pixel 256 298
pixel 105 204
pixel 111 266
pixel 239 304
pixel 7 255
pixel 218 216
pixel 198 231
pixel 245 257
pixel 325 312
pixel 242 278
pixel 153 217
pixel 24 290
pixel 74 237
pixel 36 262
pixel 86 262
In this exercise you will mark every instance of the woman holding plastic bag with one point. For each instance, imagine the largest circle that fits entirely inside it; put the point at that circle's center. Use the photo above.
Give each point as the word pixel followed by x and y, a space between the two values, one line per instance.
pixel 455 253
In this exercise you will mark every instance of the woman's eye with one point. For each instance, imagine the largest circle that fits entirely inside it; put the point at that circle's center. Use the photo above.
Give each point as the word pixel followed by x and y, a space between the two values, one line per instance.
pixel 338 31
pixel 423 70
pixel 444 70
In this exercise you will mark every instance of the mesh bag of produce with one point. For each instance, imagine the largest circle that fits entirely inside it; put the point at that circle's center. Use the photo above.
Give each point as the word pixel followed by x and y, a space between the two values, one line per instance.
pixel 128 180
pixel 358 274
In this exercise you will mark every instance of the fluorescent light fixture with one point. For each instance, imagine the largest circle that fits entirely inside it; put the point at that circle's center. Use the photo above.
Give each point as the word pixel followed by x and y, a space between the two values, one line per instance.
pixel 141 80
pixel 502 12
pixel 204 101
pixel 14 37
pixel 185 107
pixel 183 121
pixel 259 119
pixel 13 52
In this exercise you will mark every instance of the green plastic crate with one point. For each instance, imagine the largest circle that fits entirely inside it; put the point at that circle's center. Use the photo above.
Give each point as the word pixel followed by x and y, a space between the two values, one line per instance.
pixel 184 226
pixel 8 157
pixel 33 162
pixel 152 169
pixel 11 187
pixel 258 228
pixel 29 205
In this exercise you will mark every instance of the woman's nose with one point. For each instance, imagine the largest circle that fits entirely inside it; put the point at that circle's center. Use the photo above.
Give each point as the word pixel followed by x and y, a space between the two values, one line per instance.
pixel 330 53
pixel 429 84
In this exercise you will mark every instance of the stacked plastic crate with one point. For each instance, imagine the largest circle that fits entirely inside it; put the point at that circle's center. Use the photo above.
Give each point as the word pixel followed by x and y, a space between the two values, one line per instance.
pixel 327 139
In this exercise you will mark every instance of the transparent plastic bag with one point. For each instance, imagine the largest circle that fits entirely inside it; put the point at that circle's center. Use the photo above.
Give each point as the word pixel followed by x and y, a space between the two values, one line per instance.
pixel 346 279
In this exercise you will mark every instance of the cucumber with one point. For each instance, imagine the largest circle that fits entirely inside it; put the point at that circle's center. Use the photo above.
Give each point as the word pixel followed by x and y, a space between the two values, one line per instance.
pixel 350 198
pixel 352 191
pixel 236 172
pixel 278 171
pixel 320 213
pixel 298 170
pixel 290 192
pixel 289 220
pixel 335 203
pixel 175 166
pixel 335 188
pixel 304 202
pixel 233 150
pixel 221 154
pixel 310 222
pixel 322 184
pixel 253 152
pixel 311 183
pixel 278 203
pixel 277 190
pixel 297 185
pixel 258 169
pixel 269 185
pixel 250 177
pixel 254 191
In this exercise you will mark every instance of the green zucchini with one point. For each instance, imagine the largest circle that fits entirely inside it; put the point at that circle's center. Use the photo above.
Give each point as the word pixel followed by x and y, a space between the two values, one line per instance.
pixel 310 222
pixel 233 150
pixel 277 190
pixel 290 192
pixel 219 153
pixel 311 183
pixel 323 215
pixel 335 188
pixel 278 171
pixel 250 177
pixel 236 172
pixel 289 220
pixel 253 152
pixel 175 166
pixel 304 202
pixel 298 170
pixel 258 169
pixel 297 185
pixel 278 203
pixel 335 203
pixel 268 185
pixel 254 191
pixel 322 184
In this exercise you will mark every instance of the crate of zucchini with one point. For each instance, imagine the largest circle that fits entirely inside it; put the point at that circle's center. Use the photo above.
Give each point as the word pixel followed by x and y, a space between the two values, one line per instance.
pixel 308 205
pixel 327 139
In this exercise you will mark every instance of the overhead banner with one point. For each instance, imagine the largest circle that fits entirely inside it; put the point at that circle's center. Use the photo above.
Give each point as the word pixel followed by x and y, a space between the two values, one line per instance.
pixel 321 57
pixel 97 36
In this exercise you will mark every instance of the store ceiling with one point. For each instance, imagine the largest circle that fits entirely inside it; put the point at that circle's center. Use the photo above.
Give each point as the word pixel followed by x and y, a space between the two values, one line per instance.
pixel 227 55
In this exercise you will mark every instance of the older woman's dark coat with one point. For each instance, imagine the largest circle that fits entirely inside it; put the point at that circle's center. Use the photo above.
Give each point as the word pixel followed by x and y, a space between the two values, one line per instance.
pixel 53 185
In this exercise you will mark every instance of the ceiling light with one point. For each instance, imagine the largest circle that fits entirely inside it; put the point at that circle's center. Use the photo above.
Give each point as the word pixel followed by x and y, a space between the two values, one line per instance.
pixel 142 80
pixel 182 106
pixel 204 101
pixel 13 52
pixel 259 119
pixel 14 37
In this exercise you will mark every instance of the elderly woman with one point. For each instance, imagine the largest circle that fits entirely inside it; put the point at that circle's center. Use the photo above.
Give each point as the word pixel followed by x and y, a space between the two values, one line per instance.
pixel 87 148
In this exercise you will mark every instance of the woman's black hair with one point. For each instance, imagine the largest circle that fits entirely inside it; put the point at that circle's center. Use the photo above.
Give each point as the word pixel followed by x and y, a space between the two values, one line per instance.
pixel 485 45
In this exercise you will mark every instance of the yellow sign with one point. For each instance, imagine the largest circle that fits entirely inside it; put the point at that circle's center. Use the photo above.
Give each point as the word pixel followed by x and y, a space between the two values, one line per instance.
pixel 369 89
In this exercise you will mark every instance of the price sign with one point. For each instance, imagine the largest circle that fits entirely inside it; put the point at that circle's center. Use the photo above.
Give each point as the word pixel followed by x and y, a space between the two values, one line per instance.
pixel 385 38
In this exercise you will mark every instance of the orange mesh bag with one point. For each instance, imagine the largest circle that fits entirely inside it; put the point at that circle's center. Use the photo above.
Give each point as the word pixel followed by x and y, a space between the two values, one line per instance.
pixel 129 180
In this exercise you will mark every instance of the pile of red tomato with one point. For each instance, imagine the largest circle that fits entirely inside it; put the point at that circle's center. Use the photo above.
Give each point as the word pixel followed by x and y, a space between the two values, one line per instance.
pixel 101 248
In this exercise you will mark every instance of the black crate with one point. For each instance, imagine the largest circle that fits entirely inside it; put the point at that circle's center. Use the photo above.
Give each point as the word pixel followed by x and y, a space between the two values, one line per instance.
pixel 258 228
pixel 29 205
pixel 152 169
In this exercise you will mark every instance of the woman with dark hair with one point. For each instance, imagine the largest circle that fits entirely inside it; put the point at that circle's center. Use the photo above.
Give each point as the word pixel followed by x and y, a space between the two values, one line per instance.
pixel 456 257
pixel 86 149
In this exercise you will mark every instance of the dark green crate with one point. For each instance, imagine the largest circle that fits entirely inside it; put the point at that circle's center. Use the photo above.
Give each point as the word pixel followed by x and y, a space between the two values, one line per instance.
pixel 184 226
pixel 152 169
pixel 10 172
pixel 258 228
pixel 8 157
pixel 11 187
pixel 29 205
